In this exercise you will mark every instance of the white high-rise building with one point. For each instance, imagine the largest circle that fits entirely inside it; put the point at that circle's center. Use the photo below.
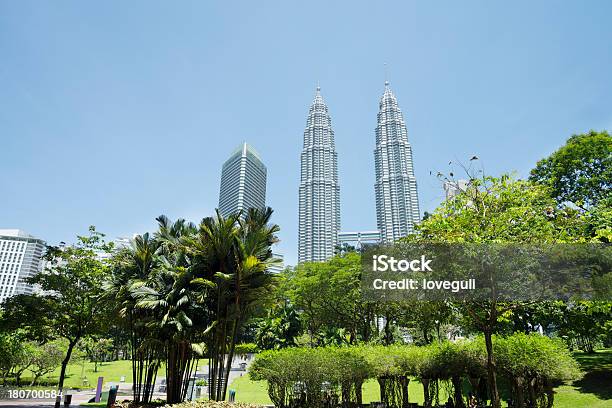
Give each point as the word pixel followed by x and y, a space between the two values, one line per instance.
pixel 397 202
pixel 243 181
pixel 319 213
pixel 20 258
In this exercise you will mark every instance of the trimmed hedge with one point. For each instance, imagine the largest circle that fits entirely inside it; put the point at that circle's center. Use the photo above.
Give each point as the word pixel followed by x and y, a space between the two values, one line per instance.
pixel 332 376
pixel 212 404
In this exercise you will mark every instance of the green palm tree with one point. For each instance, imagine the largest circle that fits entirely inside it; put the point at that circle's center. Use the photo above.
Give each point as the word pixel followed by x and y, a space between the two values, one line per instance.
pixel 187 287
pixel 236 253
pixel 174 296
pixel 132 264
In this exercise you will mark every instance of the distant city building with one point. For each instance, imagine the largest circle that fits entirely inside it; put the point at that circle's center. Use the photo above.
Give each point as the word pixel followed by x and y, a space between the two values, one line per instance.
pixel 359 239
pixel 319 208
pixel 397 202
pixel 243 181
pixel 119 244
pixel 452 188
pixel 20 258
pixel 279 267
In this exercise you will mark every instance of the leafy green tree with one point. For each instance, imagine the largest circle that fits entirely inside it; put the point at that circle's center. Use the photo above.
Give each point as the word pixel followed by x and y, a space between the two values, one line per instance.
pixel 585 323
pixel 97 349
pixel 46 358
pixel 279 329
pixel 579 172
pixel 600 220
pixel 500 210
pixel 426 319
pixel 23 360
pixel 69 306
pixel 12 352
pixel 328 294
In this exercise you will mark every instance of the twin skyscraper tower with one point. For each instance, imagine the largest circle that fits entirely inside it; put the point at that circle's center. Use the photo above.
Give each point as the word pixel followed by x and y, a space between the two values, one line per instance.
pixel 243 180
pixel 397 203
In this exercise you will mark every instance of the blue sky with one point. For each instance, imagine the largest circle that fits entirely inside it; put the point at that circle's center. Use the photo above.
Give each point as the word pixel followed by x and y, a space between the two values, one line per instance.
pixel 112 113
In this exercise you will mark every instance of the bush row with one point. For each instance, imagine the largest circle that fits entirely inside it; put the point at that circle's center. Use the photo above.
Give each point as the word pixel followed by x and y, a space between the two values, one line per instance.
pixel 212 404
pixel 333 376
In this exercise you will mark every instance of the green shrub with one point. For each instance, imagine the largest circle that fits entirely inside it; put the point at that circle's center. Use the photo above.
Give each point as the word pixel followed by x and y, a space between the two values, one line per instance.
pixel 320 377
pixel 533 364
pixel 303 377
pixel 212 404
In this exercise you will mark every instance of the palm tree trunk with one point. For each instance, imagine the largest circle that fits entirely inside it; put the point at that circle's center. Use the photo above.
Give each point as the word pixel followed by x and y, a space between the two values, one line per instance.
pixel 222 368
pixel 230 355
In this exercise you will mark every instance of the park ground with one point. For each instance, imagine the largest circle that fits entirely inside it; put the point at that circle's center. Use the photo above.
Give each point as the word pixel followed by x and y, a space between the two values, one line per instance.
pixel 594 390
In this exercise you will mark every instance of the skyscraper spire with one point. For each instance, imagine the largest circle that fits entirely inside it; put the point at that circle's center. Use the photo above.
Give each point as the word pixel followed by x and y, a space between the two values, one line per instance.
pixel 397 202
pixel 319 213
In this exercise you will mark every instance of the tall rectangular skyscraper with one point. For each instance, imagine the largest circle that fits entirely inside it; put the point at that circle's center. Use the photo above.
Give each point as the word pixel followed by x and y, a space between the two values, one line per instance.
pixel 397 201
pixel 319 213
pixel 20 258
pixel 243 181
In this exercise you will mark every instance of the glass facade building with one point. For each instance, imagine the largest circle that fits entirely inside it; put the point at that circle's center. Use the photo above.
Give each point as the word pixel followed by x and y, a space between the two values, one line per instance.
pixel 243 181
pixel 319 194
pixel 397 202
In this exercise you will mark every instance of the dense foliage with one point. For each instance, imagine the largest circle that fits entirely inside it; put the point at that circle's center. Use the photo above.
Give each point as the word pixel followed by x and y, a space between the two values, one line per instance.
pixel 68 306
pixel 327 376
pixel 187 292
pixel 579 172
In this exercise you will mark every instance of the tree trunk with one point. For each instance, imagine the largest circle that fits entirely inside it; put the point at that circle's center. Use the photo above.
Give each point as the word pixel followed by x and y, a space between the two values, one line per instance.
pixel 404 382
pixel 34 380
pixel 550 394
pixel 175 372
pixel 60 384
pixel 425 335
pixel 491 374
pixel 458 396
pixel 519 396
pixel 382 382
pixel 388 334
pixel 427 403
pixel 345 390
pixel 230 356
pixel 531 384
pixel 358 393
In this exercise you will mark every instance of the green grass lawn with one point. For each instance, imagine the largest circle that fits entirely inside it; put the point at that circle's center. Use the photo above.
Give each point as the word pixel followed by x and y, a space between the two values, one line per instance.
pixel 594 390
pixel 111 371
